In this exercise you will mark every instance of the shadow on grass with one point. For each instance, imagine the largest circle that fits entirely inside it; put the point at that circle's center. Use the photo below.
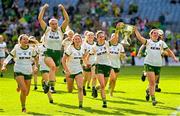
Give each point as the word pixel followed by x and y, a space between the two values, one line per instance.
pixel 35 113
pixel 121 102
pixel 132 99
pixel 119 92
pixel 88 109
pixel 102 111
pixel 115 101
pixel 132 111
pixel 39 85
pixel 115 111
pixel 166 107
pixel 72 114
pixel 137 100
pixel 174 93
pixel 63 83
pixel 66 105
pixel 1 110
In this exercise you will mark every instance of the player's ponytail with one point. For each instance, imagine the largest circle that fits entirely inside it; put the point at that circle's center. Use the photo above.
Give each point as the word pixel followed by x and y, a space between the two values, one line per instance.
pixel 32 40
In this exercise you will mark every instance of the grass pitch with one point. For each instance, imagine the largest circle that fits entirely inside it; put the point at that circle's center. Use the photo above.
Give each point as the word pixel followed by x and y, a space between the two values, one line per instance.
pixel 129 96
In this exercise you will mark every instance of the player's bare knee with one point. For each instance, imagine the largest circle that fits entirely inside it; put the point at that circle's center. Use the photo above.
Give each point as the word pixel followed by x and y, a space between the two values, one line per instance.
pixel 53 68
pixel 152 83
pixel 113 80
pixel 24 91
pixel 102 86
pixel 80 88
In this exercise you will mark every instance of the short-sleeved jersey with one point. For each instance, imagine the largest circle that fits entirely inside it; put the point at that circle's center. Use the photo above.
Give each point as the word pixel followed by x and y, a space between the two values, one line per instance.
pixel 102 54
pixel 53 40
pixel 23 59
pixel 88 48
pixel 40 51
pixel 66 43
pixel 154 51
pixel 74 61
pixel 2 49
pixel 115 51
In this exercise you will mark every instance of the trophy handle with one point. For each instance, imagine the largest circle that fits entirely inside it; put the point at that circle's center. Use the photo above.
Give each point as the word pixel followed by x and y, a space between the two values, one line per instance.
pixel 126 37
pixel 124 41
pixel 127 31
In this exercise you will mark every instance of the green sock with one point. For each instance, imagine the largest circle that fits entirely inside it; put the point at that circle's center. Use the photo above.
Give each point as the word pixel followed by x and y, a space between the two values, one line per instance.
pixel 80 103
pixel 153 98
pixel 52 83
pixel 104 101
pixel 23 106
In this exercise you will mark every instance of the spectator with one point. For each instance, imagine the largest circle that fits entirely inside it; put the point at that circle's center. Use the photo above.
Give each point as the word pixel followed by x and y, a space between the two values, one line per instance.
pixel 162 19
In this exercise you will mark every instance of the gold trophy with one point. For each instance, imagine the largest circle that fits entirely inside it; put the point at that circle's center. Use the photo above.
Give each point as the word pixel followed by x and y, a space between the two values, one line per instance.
pixel 126 30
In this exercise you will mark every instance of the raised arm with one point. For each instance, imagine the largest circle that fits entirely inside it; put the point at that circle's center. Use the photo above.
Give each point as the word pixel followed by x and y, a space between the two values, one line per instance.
pixel 139 37
pixel 117 29
pixel 40 17
pixel 66 17
pixel 118 26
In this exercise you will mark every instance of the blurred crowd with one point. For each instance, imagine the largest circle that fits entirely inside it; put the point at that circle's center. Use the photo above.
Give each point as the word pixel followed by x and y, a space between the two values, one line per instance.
pixel 90 15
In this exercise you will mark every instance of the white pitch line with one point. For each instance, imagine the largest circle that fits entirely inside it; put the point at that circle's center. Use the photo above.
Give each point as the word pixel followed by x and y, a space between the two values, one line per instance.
pixel 175 113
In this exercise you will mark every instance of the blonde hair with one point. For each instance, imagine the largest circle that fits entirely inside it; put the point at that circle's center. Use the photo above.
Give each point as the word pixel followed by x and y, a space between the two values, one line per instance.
pixel 32 37
pixel 67 32
pixel 32 40
pixel 90 33
pixel 86 32
pixel 21 36
pixel 99 32
pixel 2 37
pixel 53 19
pixel 152 30
pixel 77 34
pixel 160 32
